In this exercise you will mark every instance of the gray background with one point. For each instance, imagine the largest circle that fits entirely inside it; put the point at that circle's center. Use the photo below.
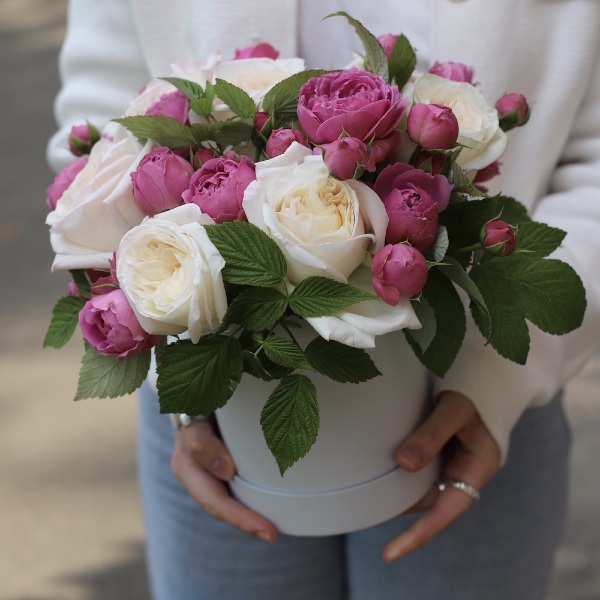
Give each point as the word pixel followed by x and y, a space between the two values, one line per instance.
pixel 70 526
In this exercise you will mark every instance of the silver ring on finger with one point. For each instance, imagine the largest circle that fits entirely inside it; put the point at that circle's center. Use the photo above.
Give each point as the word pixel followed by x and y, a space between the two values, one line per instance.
pixel 458 484
pixel 184 420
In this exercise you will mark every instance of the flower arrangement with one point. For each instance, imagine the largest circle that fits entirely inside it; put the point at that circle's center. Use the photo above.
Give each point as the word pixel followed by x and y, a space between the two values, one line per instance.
pixel 236 201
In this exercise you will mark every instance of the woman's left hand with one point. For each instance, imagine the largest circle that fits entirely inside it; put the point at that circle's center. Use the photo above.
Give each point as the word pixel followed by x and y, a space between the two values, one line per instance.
pixel 473 457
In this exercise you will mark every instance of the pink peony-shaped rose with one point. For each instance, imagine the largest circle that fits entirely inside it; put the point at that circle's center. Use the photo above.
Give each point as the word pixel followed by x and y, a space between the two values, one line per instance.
pixel 453 71
pixel 159 180
pixel 173 104
pixel 498 237
pixel 281 139
pixel 218 187
pixel 262 50
pixel 63 180
pixel 109 324
pixel 412 199
pixel 344 156
pixel 399 271
pixel 432 126
pixel 82 139
pixel 354 103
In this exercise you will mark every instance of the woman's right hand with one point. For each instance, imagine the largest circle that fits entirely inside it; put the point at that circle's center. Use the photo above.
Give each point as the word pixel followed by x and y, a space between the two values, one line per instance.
pixel 202 463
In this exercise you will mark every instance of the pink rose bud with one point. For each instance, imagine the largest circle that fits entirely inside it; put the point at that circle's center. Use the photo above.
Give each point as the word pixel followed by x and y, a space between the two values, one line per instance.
pixel 104 282
pixel 82 139
pixel 159 181
pixel 218 187
pixel 63 180
pixel 174 104
pixel 498 237
pixel 109 324
pixel 345 157
pixel 73 290
pixel 513 111
pixel 399 271
pixel 388 41
pixel 260 120
pixel 432 126
pixel 263 50
pixel 430 162
pixel 201 156
pixel 453 71
pixel 281 139
pixel 381 149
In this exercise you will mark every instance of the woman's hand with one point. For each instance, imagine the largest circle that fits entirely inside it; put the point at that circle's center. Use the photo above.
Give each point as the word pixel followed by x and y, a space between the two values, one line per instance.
pixel 473 457
pixel 202 463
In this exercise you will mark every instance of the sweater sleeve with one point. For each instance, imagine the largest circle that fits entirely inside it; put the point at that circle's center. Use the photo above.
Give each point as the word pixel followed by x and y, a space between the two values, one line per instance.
pixel 502 390
pixel 101 69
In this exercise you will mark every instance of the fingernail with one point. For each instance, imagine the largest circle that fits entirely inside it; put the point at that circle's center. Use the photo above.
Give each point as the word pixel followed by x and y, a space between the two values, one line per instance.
pixel 397 549
pixel 410 457
pixel 264 536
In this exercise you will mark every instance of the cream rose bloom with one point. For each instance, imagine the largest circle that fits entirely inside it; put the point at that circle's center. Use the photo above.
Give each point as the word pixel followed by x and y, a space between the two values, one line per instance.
pixel 170 272
pixel 97 209
pixel 326 228
pixel 479 128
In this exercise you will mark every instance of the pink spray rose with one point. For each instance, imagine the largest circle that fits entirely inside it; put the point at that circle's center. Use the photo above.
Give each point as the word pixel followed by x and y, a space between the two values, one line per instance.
pixel 218 187
pixel 159 180
pixel 453 71
pixel 513 111
pixel 352 102
pixel 201 156
pixel 109 324
pixel 174 104
pixel 104 282
pixel 262 50
pixel 281 139
pixel 388 41
pixel 498 237
pixel 260 120
pixel 399 271
pixel 412 199
pixel 63 180
pixel 82 139
pixel 344 156
pixel 432 126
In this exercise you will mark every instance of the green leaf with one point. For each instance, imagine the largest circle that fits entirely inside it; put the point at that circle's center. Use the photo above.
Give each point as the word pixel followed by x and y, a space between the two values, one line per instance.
pixel 202 106
pixel 65 316
pixel 464 221
pixel 339 362
pixel 235 98
pixel 424 336
pixel 110 377
pixel 320 296
pixel 375 58
pixel 191 89
pixel 281 101
pixel 441 244
pixel 254 367
pixel 199 378
pixel 226 133
pixel 403 61
pixel 165 131
pixel 511 210
pixel 290 420
pixel 252 257
pixel 256 309
pixel 449 311
pixel 452 269
pixel 539 238
pixel 284 353
pixel 82 281
pixel 547 292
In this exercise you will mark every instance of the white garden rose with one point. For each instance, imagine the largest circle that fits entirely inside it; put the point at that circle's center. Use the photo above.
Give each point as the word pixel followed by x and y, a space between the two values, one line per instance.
pixel 478 124
pixel 256 76
pixel 170 272
pixel 323 226
pixel 97 209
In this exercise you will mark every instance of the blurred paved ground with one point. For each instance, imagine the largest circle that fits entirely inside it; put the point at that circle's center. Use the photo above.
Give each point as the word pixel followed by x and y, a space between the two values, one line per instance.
pixel 70 526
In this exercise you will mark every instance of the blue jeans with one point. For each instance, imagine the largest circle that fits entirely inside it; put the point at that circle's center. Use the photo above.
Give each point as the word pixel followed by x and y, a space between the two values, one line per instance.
pixel 502 549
